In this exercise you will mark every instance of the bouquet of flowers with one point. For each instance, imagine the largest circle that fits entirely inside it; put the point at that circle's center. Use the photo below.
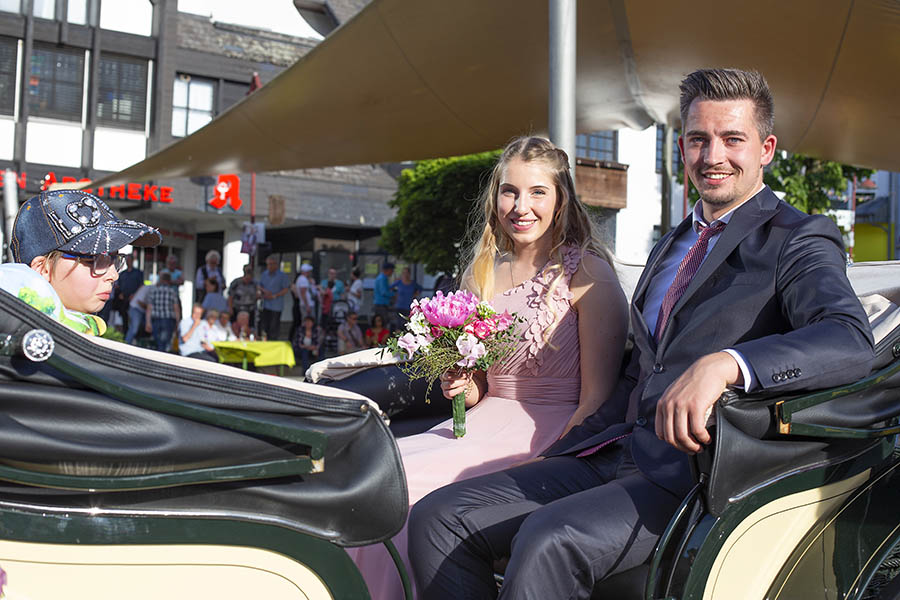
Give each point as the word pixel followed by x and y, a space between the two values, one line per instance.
pixel 453 332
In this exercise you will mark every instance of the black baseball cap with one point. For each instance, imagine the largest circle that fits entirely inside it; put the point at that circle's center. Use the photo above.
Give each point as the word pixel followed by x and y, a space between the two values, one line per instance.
pixel 74 221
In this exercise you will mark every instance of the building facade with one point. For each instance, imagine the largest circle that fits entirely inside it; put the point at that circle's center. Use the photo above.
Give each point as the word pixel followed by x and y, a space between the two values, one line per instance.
pixel 88 88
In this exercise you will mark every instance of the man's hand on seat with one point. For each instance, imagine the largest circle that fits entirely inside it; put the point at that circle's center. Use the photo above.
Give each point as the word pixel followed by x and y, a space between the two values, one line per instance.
pixel 682 411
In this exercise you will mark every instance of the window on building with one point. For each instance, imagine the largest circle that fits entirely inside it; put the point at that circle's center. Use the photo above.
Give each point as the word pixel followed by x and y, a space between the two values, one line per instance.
pixel 14 6
pixel 676 154
pixel 77 12
pixel 122 87
pixel 128 16
pixel 45 9
pixel 55 83
pixel 599 145
pixel 192 104
pixel 8 51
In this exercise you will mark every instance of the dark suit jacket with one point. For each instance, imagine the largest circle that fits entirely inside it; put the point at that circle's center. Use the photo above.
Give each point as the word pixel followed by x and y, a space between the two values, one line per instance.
pixel 774 288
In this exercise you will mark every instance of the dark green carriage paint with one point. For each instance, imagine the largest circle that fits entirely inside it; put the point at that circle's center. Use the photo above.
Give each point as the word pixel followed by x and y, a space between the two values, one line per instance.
pixel 786 410
pixel 863 532
pixel 248 471
pixel 705 540
pixel 330 562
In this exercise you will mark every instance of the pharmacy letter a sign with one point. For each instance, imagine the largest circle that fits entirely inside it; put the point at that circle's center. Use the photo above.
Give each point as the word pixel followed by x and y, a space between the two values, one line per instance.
pixel 227 190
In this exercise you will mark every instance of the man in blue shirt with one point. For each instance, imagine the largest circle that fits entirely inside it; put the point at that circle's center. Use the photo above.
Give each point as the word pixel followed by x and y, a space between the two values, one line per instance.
pixel 273 285
pixel 406 290
pixel 384 296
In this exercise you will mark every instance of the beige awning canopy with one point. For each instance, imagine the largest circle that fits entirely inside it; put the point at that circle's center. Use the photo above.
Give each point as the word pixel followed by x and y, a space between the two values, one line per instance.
pixel 413 79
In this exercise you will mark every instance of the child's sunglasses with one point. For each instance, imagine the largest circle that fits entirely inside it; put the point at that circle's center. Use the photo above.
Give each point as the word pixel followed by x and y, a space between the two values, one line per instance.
pixel 100 263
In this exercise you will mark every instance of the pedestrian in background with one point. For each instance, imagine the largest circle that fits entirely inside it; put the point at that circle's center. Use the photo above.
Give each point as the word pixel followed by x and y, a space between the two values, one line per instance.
pixel 163 312
pixel 384 296
pixel 350 337
pixel 406 290
pixel 137 311
pixel 214 298
pixel 338 285
pixel 243 294
pixel 308 342
pixel 210 269
pixel 355 293
pixel 273 285
pixel 130 280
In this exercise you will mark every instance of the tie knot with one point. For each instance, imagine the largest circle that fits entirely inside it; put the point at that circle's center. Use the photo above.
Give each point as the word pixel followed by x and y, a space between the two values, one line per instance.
pixel 707 231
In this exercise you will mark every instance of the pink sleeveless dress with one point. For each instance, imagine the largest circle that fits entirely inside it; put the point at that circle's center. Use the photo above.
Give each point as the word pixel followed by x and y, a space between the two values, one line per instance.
pixel 531 397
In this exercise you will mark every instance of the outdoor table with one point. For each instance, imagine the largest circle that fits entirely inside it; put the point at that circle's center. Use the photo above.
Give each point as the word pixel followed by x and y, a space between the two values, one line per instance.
pixel 263 354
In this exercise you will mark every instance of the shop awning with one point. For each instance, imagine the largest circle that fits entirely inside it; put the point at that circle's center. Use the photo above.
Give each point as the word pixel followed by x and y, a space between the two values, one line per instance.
pixel 413 79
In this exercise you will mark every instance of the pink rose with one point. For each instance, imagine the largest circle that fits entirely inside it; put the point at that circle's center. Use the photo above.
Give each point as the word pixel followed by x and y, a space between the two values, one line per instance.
pixel 482 329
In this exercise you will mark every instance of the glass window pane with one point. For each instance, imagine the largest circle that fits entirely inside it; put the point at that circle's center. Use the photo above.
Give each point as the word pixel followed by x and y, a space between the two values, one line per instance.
pixel 8 52
pixel 599 145
pixel 179 120
pixel 122 92
pixel 77 12
pixel 196 120
pixel 201 95
pixel 45 9
pixel 11 5
pixel 55 83
pixel 180 95
pixel 130 16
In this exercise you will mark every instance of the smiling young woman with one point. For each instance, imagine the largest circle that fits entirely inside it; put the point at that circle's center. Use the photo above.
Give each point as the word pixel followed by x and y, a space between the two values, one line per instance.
pixel 537 256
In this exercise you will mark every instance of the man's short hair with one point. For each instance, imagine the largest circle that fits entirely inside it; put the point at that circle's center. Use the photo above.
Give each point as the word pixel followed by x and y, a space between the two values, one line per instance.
pixel 730 84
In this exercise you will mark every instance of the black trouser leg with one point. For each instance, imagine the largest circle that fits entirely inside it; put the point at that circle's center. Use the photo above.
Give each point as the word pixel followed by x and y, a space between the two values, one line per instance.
pixel 565 522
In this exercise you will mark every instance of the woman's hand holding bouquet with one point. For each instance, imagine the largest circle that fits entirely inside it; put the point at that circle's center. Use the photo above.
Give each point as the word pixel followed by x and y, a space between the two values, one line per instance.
pixel 455 333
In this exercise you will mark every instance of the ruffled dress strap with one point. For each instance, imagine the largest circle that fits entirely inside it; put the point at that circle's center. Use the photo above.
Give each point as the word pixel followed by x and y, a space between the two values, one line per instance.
pixel 554 306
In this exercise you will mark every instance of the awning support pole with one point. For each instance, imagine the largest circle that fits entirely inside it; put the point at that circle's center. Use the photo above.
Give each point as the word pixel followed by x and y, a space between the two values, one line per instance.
pixel 10 208
pixel 665 217
pixel 563 20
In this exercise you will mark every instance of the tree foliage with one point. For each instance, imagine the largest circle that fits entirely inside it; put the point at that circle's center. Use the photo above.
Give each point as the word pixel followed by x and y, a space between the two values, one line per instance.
pixel 809 183
pixel 433 201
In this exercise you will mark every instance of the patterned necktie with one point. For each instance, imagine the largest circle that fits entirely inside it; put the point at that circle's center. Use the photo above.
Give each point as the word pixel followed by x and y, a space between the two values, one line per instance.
pixel 686 271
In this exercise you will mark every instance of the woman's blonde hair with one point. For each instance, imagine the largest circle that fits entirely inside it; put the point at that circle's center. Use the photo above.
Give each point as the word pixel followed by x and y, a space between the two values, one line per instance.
pixel 572 225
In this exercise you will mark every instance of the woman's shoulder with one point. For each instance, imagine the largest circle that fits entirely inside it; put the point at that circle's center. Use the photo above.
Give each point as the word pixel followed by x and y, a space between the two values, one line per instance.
pixel 592 268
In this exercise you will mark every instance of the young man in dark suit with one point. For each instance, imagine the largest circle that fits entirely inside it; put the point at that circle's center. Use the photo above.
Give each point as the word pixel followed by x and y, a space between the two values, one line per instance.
pixel 746 292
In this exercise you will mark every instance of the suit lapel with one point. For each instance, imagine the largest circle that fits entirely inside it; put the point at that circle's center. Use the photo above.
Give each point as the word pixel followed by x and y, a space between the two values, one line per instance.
pixel 661 249
pixel 745 219
pixel 638 324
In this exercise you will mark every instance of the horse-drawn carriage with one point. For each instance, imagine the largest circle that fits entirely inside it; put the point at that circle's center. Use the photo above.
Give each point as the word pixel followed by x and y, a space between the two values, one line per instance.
pixel 129 473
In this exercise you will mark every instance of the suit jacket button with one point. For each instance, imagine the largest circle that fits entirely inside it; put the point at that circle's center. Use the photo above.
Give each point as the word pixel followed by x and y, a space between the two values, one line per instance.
pixel 797 372
pixel 658 368
pixel 776 377
pixel 640 422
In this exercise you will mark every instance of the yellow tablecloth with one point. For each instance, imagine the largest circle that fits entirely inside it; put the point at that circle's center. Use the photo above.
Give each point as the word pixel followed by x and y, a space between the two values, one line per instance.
pixel 262 354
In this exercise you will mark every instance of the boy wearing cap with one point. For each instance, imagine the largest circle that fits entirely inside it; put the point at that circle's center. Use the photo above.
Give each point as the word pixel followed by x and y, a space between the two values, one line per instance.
pixel 71 240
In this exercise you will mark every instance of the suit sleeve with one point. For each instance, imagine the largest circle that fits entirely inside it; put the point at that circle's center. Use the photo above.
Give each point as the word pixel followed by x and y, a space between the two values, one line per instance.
pixel 830 342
